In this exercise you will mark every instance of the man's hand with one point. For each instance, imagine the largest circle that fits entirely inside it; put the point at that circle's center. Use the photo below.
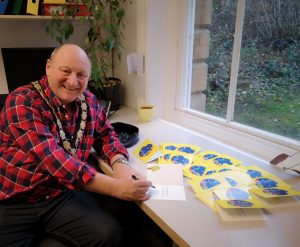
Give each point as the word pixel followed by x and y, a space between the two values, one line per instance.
pixel 131 190
pixel 121 184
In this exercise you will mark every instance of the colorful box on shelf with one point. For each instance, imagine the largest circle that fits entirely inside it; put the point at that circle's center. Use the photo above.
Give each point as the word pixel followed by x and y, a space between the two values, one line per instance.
pixel 47 9
pixel 3 5
pixel 32 7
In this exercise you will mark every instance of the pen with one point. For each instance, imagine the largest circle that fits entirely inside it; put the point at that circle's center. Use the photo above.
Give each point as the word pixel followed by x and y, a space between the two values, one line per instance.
pixel 135 178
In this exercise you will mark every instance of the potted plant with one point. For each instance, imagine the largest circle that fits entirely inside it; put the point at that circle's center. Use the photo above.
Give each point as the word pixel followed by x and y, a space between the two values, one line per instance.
pixel 102 42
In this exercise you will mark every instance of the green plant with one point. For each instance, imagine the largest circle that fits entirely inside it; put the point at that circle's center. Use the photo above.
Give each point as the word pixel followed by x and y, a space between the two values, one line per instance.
pixel 102 41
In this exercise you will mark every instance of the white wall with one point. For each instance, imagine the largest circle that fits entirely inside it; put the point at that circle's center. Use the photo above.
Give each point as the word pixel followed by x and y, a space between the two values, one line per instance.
pixel 156 48
pixel 146 19
pixel 130 44
pixel 27 33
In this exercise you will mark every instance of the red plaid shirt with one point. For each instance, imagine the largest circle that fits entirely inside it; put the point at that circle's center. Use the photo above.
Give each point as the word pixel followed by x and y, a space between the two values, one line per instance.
pixel 33 163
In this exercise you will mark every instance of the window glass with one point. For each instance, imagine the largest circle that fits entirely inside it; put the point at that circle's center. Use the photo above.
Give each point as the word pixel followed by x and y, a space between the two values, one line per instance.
pixel 268 89
pixel 211 95
pixel 267 95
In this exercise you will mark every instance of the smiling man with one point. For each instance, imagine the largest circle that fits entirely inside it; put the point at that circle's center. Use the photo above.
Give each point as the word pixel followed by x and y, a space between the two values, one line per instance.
pixel 47 131
pixel 66 78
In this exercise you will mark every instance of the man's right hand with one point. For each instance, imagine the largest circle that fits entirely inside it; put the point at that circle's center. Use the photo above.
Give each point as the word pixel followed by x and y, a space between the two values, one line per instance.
pixel 122 188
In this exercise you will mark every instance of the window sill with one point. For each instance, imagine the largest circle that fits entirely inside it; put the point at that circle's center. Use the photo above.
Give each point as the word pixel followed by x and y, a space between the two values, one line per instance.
pixel 234 135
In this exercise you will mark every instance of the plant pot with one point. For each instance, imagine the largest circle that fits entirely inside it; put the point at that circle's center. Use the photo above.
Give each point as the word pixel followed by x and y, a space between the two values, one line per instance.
pixel 110 92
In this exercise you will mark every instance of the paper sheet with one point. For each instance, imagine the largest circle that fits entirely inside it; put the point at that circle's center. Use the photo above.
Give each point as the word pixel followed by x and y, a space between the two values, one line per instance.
pixel 135 63
pixel 168 192
pixel 168 182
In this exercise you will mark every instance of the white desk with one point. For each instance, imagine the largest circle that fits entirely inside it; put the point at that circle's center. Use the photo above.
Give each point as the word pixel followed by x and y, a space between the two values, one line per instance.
pixel 191 223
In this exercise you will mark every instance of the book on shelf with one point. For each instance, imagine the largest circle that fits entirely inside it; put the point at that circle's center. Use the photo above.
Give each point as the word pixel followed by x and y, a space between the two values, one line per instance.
pixel 32 7
pixel 55 1
pixel 18 7
pixel 3 6
pixel 48 9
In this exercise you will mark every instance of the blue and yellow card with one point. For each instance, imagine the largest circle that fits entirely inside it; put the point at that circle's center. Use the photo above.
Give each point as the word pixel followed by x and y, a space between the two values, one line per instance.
pixel 233 193
pixel 250 203
pixel 164 158
pixel 270 181
pixel 147 151
pixel 182 159
pixel 174 153
pixel 196 171
pixel 205 156
pixel 180 148
pixel 226 160
pixel 275 192
pixel 257 172
pixel 221 181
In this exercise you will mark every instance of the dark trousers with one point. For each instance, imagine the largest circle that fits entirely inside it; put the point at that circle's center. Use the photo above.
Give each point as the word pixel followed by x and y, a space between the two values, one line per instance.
pixel 78 219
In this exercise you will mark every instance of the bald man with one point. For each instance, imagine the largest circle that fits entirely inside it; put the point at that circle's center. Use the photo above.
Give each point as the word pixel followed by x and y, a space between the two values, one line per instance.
pixel 47 131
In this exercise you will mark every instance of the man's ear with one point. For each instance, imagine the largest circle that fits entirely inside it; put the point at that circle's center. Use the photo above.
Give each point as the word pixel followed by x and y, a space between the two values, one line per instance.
pixel 48 65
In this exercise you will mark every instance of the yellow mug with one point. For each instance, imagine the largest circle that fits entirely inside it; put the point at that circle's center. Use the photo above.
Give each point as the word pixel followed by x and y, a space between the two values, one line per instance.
pixel 146 112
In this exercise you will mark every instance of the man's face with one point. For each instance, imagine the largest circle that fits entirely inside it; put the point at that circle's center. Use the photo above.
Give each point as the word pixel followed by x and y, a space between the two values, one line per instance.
pixel 68 73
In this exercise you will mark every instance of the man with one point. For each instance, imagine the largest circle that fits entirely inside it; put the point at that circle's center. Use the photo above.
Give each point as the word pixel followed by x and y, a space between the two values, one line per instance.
pixel 47 131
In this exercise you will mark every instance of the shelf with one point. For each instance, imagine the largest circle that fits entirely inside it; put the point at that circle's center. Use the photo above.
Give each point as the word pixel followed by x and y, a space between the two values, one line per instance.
pixel 30 17
pixel 24 17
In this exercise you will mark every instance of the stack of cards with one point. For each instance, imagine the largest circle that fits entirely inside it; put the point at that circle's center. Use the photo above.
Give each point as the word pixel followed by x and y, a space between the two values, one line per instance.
pixel 222 182
pixel 167 153
pixel 232 193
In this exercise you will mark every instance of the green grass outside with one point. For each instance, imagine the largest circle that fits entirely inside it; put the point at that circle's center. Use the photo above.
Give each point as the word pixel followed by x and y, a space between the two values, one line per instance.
pixel 273 102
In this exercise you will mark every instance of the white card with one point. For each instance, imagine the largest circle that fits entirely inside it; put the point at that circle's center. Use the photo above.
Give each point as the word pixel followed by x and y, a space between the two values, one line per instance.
pixel 168 182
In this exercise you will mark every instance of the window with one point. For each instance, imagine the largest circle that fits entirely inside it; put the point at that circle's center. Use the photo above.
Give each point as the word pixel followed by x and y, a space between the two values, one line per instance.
pixel 228 86
pixel 250 77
